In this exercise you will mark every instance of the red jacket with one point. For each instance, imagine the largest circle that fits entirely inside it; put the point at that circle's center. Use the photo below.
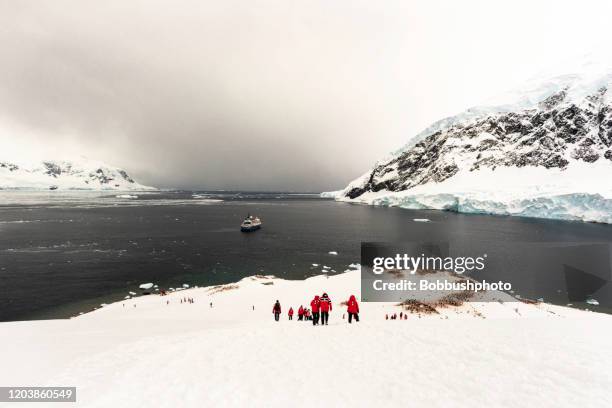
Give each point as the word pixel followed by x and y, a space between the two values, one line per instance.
pixel 290 311
pixel 301 311
pixel 276 308
pixel 352 305
pixel 314 305
pixel 326 305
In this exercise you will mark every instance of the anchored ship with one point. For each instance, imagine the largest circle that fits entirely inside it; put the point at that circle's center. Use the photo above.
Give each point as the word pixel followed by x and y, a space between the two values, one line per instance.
pixel 250 223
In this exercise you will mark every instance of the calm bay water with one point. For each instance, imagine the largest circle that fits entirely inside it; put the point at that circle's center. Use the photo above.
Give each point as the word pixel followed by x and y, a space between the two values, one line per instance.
pixel 65 253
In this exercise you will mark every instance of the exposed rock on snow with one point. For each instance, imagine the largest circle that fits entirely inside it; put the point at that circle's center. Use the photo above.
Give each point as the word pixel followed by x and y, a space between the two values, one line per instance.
pixel 82 174
pixel 543 151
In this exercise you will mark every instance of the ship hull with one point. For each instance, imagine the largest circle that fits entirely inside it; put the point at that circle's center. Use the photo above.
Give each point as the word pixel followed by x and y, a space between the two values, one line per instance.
pixel 250 228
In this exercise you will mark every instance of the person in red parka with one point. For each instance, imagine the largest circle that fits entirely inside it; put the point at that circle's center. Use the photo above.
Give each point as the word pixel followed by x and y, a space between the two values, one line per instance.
pixel 290 313
pixel 314 304
pixel 276 309
pixel 352 307
pixel 325 307
pixel 301 313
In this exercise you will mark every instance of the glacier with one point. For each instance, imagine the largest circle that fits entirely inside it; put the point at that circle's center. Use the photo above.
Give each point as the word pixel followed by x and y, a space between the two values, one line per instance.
pixel 573 207
pixel 579 193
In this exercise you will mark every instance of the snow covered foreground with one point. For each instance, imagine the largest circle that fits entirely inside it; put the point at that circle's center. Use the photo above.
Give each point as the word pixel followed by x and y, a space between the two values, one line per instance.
pixel 144 352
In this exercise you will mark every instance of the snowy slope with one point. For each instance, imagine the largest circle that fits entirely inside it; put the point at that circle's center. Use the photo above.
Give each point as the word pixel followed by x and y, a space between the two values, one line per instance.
pixel 544 150
pixel 144 352
pixel 82 174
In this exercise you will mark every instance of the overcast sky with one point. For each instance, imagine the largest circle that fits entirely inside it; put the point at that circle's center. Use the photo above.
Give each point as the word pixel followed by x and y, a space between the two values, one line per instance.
pixel 272 95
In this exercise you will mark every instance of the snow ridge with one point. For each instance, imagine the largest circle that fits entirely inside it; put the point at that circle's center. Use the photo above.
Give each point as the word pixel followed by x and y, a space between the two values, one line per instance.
pixel 80 174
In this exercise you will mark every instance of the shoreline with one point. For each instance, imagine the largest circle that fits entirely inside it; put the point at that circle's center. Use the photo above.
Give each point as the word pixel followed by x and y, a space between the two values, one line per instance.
pixel 151 341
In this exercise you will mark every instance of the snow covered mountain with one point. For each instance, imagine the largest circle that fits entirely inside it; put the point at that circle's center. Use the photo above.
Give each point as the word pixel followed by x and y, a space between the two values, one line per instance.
pixel 82 174
pixel 542 151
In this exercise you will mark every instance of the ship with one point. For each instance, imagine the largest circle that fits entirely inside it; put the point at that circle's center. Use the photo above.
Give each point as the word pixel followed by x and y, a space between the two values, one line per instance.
pixel 250 223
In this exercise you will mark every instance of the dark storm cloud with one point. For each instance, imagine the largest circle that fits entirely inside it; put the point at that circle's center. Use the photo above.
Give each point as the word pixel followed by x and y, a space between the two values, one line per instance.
pixel 247 95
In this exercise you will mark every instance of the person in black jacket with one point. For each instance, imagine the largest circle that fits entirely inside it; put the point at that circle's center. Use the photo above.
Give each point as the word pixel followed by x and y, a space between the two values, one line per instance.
pixel 276 310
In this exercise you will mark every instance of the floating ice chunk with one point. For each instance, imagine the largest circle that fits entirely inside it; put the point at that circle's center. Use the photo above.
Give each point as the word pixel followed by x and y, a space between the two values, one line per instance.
pixel 132 293
pixel 354 266
pixel 324 270
pixel 185 285
pixel 421 220
pixel 146 286
pixel 326 267
pixel 128 297
pixel 128 196
pixel 333 253
pixel 315 265
pixel 592 302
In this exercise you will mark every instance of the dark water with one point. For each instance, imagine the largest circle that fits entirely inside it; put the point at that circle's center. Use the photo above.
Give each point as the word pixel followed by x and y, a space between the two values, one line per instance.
pixel 61 254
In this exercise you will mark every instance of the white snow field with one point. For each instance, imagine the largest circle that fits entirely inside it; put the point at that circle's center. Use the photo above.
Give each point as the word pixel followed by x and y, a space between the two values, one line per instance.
pixel 143 352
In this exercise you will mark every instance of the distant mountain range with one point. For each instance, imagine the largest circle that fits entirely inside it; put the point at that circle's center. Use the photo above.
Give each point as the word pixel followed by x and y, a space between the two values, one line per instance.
pixel 544 150
pixel 82 174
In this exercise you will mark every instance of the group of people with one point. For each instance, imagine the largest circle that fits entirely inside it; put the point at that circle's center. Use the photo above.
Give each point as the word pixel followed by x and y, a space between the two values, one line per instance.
pixel 183 300
pixel 394 316
pixel 318 313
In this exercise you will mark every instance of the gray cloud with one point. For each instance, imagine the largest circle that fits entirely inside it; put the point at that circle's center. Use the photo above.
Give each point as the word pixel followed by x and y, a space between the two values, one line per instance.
pixel 274 95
